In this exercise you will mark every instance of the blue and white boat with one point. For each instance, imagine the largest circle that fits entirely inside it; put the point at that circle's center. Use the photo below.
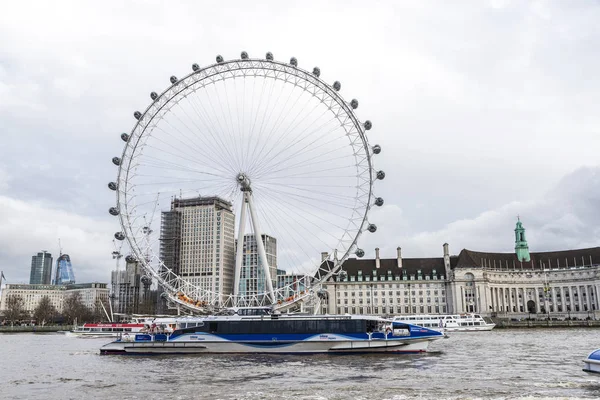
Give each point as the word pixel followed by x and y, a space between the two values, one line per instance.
pixel 592 362
pixel 278 333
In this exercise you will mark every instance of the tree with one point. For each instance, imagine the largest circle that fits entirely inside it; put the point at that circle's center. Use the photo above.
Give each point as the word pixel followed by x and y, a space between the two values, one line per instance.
pixel 74 309
pixel 15 308
pixel 45 311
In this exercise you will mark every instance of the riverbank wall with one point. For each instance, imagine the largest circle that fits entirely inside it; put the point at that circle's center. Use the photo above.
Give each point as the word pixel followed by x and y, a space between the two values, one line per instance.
pixel 509 324
pixel 34 329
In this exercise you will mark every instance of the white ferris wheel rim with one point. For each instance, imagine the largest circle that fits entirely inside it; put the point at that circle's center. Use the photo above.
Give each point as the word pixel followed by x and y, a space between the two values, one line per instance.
pixel 199 79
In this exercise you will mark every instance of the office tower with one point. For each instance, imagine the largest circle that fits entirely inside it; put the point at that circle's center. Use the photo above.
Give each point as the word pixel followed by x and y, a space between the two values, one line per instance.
pixel 41 269
pixel 197 242
pixel 64 271
pixel 252 275
pixel 126 288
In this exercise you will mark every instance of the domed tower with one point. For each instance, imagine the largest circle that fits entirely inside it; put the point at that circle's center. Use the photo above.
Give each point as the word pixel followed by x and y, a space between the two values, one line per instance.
pixel 521 246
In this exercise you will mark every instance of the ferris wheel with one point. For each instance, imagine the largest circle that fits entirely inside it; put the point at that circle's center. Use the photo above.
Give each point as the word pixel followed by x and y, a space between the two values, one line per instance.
pixel 241 169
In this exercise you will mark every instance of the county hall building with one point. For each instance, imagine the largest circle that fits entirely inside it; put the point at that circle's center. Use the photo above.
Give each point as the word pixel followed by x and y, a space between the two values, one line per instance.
pixel 557 284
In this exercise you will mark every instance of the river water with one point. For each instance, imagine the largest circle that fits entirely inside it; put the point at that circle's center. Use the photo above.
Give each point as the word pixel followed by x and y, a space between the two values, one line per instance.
pixel 501 364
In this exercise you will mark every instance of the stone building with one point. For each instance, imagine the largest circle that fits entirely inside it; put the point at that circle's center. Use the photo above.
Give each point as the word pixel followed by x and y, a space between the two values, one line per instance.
pixel 557 284
pixel 91 294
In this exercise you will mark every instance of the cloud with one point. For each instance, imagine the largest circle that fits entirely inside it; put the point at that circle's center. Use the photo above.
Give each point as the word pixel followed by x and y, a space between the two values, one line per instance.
pixel 29 227
pixel 4 179
pixel 564 218
pixel 479 107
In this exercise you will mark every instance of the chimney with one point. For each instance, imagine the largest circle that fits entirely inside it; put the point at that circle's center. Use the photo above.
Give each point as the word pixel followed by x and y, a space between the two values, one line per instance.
pixel 399 250
pixel 447 260
pixel 324 256
pixel 377 261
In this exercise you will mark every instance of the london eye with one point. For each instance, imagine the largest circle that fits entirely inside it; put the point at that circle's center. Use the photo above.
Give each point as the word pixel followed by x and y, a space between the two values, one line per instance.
pixel 284 162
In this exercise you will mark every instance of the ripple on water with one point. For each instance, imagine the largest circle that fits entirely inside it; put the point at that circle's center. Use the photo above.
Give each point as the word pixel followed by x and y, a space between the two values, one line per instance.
pixel 502 364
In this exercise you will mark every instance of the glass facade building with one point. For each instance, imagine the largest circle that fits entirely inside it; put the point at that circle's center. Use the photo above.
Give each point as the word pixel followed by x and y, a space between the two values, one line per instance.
pixel 64 271
pixel 252 275
pixel 41 269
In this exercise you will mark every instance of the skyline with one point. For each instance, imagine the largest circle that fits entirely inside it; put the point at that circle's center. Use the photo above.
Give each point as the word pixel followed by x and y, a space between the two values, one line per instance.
pixel 491 120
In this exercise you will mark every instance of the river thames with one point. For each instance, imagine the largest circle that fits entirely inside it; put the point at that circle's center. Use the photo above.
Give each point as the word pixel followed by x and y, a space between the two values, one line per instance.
pixel 501 364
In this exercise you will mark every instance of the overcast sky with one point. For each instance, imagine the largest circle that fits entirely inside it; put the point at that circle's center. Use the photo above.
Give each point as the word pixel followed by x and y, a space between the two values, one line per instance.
pixel 485 110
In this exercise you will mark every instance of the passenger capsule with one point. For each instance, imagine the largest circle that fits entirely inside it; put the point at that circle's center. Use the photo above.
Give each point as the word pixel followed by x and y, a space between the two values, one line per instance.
pixel 116 160
pixel 379 202
pixel 294 61
pixel 354 104
pixel 368 125
pixel 337 86
pixel 343 275
pixel 131 259
pixel 153 95
pixel 112 186
pixel 372 228
pixel 376 149
pixel 269 56
pixel 173 79
pixel 137 115
pixel 359 253
pixel 380 175
pixel 219 59
pixel 120 236
pixel 244 55
pixel 316 71
pixel 124 137
pixel 113 211
pixel 195 67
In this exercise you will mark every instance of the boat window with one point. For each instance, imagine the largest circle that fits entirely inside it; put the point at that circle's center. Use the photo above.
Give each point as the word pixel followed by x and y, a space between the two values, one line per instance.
pixel 291 326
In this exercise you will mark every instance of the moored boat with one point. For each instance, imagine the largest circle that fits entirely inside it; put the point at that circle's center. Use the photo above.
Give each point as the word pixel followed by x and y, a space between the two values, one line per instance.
pixel 105 329
pixel 279 333
pixel 592 362
pixel 449 323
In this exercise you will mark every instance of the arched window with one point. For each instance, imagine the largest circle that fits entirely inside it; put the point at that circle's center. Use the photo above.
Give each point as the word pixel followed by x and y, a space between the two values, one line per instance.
pixel 469 277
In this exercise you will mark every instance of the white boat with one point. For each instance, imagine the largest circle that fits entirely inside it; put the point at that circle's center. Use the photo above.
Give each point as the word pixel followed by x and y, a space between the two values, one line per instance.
pixel 105 329
pixel 448 323
pixel 592 362
pixel 279 333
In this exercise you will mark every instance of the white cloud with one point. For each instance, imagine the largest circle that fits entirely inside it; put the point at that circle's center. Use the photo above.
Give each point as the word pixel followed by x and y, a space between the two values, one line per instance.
pixel 4 179
pixel 564 218
pixel 28 228
pixel 478 106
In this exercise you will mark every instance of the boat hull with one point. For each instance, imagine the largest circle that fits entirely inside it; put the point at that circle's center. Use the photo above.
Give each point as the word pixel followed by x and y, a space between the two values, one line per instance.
pixel 91 335
pixel 469 329
pixel 591 364
pixel 303 347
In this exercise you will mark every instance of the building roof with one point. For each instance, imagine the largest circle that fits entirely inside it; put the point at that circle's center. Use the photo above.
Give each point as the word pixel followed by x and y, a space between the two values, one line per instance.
pixel 539 260
pixel 390 266
pixel 201 201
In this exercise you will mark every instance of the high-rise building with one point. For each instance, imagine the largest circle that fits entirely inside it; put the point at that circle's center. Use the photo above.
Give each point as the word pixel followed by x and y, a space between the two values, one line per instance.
pixel 64 271
pixel 126 287
pixel 252 275
pixel 41 269
pixel 197 242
